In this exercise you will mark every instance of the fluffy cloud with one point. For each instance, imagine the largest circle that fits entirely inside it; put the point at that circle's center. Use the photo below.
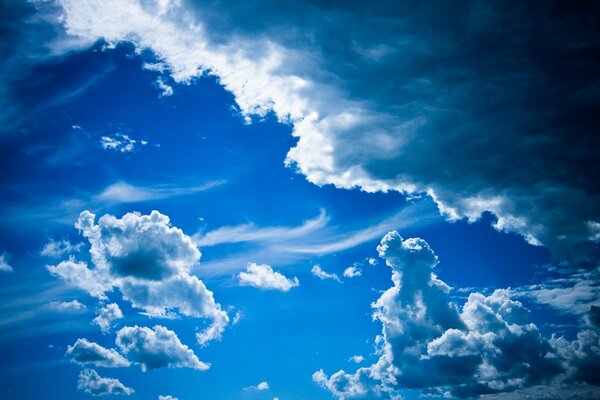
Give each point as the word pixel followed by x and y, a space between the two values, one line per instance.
pixel 352 272
pixel 263 277
pixel 357 359
pixel 60 248
pixel 4 265
pixel 157 348
pixel 161 397
pixel 317 271
pixel 84 352
pixel 106 315
pixel 92 383
pixel 437 86
pixel 149 261
pixel 66 306
pixel 428 343
pixel 119 143
pixel 263 386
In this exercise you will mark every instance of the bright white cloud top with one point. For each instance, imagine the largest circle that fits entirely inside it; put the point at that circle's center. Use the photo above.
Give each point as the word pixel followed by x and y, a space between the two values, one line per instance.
pixel 317 271
pixel 263 277
pixel 106 315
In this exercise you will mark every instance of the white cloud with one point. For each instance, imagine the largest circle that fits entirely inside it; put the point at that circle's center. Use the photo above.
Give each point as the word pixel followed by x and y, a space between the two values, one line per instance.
pixel 122 192
pixel 356 359
pixel 351 133
pixel 77 274
pixel 352 272
pixel 427 343
pixel 262 386
pixel 118 142
pixel 165 90
pixel 106 315
pixel 67 306
pixel 60 248
pixel 84 352
pixel 156 348
pixel 317 271
pixel 162 397
pixel 263 277
pixel 92 383
pixel 372 261
pixel 4 265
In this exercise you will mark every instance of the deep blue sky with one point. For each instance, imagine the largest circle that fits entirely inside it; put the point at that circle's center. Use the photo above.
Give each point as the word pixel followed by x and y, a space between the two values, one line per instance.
pixel 214 168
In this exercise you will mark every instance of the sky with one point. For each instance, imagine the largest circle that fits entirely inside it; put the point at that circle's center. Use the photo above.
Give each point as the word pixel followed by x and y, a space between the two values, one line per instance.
pixel 299 200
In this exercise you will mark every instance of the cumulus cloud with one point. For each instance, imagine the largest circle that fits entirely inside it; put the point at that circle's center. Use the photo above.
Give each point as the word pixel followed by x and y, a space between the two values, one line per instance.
pixel 263 386
pixel 438 86
pixel 4 265
pixel 106 315
pixel 317 271
pixel 150 262
pixel 156 348
pixel 59 248
pixel 428 343
pixel 84 352
pixel 357 359
pixel 352 272
pixel 263 277
pixel 92 383
pixel 67 306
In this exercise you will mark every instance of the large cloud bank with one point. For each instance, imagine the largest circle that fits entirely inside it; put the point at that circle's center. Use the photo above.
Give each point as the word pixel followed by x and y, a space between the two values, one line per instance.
pixel 149 261
pixel 485 107
pixel 428 343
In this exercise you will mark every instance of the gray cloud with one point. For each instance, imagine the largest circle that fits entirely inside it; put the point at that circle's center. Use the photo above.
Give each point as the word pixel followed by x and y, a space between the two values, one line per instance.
pixel 92 383
pixel 427 343
pixel 84 352
pixel 157 348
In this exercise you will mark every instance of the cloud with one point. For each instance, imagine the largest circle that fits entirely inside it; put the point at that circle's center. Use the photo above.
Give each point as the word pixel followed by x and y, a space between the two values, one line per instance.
pixel 92 383
pixel 156 348
pixel 418 102
pixel 162 397
pixel 122 192
pixel 356 359
pixel 84 352
pixel 263 277
pixel 77 274
pixel 428 343
pixel 60 248
pixel 262 386
pixel 4 265
pixel 317 271
pixel 372 261
pixel 149 261
pixel 165 90
pixel 118 142
pixel 352 272
pixel 106 315
pixel 67 306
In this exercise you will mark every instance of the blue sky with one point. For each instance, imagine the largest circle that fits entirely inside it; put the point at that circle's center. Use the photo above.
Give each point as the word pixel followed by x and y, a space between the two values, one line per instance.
pixel 212 200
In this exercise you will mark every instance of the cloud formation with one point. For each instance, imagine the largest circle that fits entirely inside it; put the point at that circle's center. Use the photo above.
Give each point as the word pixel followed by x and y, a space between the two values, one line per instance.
pixel 84 352
pixel 67 306
pixel 317 271
pixel 263 277
pixel 4 265
pixel 156 348
pixel 119 143
pixel 465 88
pixel 150 262
pixel 59 248
pixel 352 272
pixel 106 315
pixel 92 383
pixel 428 343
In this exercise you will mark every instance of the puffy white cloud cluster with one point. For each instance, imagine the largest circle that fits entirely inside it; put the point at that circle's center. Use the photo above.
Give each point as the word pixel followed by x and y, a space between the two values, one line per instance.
pixel 155 348
pixel 417 102
pixel 150 262
pixel 92 383
pixel 263 276
pixel 84 352
pixel 428 343
pixel 119 143
pixel 59 248
pixel 352 272
pixel 106 315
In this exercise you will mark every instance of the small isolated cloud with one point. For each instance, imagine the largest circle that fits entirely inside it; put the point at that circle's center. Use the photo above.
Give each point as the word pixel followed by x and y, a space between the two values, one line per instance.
pixel 319 273
pixel 84 352
pixel 118 142
pixel 156 348
pixel 263 277
pixel 165 89
pixel 352 272
pixel 60 248
pixel 106 315
pixel 4 265
pixel 356 359
pixel 92 383
pixel 66 306
pixel 262 386
pixel 372 261
pixel 168 397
